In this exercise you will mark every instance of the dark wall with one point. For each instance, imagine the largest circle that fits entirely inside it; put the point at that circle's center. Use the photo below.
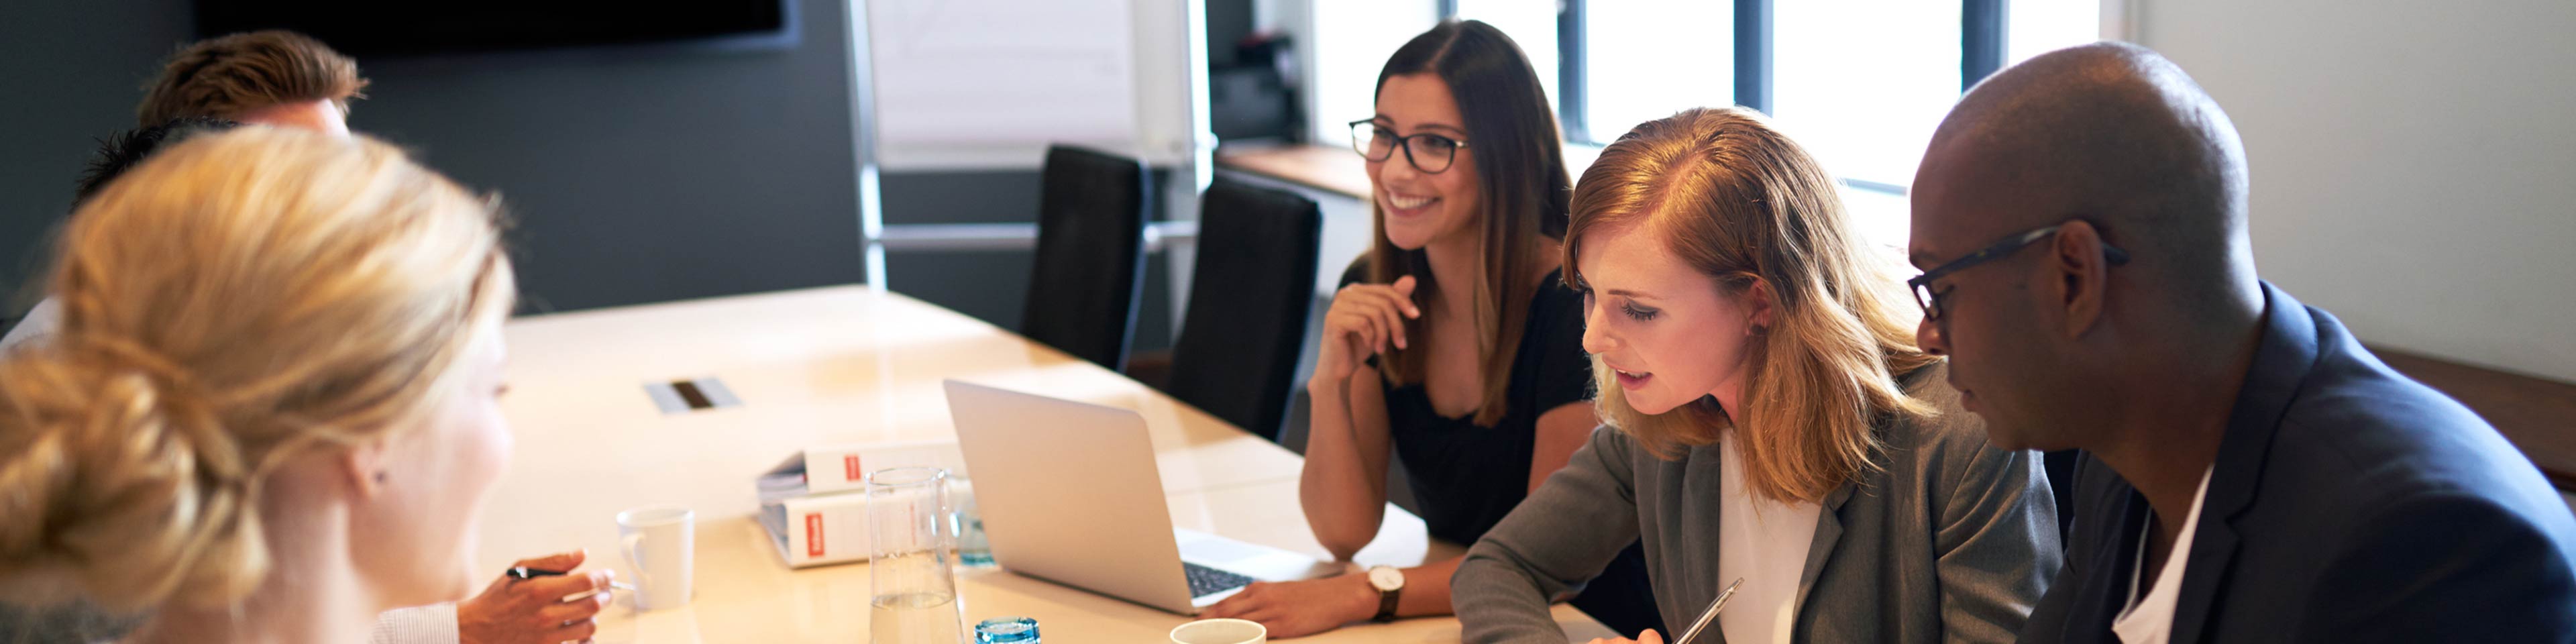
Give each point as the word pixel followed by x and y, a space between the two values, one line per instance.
pixel 636 174
pixel 1228 21
pixel 74 69
pixel 652 172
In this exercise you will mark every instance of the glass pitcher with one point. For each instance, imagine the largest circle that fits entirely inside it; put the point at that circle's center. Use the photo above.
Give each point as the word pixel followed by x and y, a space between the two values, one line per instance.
pixel 911 582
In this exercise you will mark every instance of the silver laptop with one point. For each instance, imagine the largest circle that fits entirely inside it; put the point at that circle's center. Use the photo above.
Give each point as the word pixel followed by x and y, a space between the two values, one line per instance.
pixel 1070 494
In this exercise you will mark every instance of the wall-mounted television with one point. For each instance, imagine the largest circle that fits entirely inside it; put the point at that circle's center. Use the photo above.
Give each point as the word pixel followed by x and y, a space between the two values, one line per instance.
pixel 413 27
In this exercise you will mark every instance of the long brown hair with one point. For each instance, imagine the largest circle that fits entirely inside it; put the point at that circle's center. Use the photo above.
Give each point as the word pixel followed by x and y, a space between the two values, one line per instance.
pixel 1522 184
pixel 1740 202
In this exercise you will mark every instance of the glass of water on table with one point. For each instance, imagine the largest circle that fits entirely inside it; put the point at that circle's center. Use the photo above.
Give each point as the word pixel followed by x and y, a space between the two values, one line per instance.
pixel 911 582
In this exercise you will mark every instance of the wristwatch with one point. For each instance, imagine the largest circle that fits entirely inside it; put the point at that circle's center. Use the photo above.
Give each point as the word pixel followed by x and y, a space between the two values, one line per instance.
pixel 1389 583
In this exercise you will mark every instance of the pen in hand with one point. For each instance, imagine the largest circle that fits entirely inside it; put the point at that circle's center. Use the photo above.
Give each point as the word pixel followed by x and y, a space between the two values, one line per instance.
pixel 1709 615
pixel 524 572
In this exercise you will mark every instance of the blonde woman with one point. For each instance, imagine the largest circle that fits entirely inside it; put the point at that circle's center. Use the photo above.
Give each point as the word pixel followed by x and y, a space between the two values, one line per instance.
pixel 287 79
pixel 270 410
pixel 1774 421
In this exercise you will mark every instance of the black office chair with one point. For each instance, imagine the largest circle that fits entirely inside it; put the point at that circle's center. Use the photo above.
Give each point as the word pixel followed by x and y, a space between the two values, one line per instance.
pixel 1090 260
pixel 1249 297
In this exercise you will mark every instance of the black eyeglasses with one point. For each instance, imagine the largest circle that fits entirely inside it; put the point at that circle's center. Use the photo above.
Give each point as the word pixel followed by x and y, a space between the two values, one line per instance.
pixel 1931 301
pixel 1430 153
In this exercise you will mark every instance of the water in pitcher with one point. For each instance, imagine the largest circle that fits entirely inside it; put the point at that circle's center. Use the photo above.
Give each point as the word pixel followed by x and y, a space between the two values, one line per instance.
pixel 911 581
pixel 914 618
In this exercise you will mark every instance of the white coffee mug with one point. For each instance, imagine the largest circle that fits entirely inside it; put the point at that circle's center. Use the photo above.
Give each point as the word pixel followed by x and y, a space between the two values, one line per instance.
pixel 659 543
pixel 1221 631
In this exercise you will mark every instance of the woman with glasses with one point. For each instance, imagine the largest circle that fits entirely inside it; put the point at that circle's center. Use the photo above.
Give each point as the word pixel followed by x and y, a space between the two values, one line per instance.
pixel 1453 345
pixel 1781 441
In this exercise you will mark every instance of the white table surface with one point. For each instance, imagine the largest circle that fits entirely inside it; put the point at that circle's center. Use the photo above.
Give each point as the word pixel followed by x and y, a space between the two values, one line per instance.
pixel 843 365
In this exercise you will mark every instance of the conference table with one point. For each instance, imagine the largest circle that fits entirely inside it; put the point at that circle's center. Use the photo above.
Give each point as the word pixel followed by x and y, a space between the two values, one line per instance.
pixel 836 366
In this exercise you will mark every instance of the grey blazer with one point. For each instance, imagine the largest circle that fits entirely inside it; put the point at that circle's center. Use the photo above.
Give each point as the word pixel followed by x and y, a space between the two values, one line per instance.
pixel 1951 541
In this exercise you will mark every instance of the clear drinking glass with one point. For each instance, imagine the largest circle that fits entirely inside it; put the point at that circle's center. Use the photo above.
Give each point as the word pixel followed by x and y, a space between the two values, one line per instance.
pixel 911 582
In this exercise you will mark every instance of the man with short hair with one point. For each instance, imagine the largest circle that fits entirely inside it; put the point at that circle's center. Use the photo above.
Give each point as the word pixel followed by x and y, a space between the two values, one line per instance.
pixel 272 77
pixel 2250 473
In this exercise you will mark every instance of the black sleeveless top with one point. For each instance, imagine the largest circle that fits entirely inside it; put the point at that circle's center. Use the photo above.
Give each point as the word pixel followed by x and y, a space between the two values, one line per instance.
pixel 1466 477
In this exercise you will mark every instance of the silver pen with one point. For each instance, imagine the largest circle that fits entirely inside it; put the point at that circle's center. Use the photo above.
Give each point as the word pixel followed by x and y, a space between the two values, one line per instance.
pixel 1710 615
pixel 524 572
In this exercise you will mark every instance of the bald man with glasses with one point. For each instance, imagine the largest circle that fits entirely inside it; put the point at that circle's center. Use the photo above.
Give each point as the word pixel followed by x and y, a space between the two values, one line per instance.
pixel 2249 472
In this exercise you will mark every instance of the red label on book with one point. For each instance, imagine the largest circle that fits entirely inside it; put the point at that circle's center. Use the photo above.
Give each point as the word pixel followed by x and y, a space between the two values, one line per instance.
pixel 850 468
pixel 813 534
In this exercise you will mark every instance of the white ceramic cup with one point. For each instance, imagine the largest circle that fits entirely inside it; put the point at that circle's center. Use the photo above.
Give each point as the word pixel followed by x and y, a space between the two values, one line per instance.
pixel 1221 631
pixel 659 543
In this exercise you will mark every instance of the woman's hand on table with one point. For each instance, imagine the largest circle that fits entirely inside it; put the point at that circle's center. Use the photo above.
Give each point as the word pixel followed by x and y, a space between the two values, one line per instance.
pixel 1300 608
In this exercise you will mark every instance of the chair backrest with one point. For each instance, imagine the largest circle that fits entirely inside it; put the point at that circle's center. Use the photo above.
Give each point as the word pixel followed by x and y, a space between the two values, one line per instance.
pixel 1250 295
pixel 1090 259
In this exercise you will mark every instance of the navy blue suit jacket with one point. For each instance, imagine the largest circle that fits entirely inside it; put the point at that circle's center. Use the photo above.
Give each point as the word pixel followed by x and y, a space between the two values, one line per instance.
pixel 2347 504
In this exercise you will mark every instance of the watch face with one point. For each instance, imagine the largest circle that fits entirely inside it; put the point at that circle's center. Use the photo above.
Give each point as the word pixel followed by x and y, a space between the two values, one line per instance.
pixel 1386 578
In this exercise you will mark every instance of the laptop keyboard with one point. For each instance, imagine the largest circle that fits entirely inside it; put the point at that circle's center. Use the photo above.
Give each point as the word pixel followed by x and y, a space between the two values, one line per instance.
pixel 1206 581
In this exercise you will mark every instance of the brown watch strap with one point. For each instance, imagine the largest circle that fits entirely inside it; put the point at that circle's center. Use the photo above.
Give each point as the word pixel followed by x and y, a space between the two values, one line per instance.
pixel 1386 604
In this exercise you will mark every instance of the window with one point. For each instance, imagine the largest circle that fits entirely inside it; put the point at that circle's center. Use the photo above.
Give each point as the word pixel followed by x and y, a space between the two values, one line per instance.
pixel 2038 26
pixel 1352 40
pixel 1862 83
pixel 1532 24
pixel 1646 59
pixel 1864 79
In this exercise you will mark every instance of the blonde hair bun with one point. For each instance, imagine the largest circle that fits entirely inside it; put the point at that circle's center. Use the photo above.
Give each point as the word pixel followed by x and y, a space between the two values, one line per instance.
pixel 132 488
pixel 231 302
